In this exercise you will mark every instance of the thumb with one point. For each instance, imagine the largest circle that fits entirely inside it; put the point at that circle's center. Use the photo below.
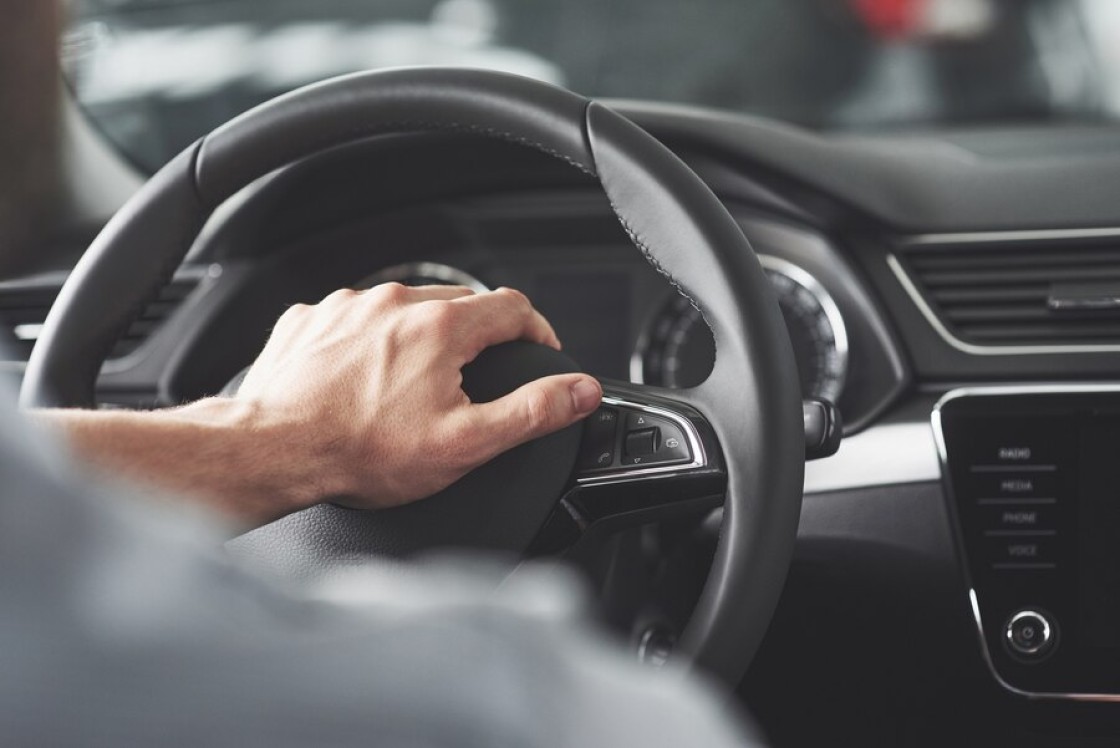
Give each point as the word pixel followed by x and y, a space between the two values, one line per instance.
pixel 534 410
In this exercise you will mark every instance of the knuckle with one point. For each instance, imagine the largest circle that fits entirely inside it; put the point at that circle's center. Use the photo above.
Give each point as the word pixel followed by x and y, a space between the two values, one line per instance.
pixel 391 293
pixel 293 313
pixel 339 296
pixel 516 296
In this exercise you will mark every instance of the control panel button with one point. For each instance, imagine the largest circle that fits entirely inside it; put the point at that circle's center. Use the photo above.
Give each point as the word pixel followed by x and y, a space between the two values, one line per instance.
pixel 1019 516
pixel 600 432
pixel 1030 635
pixel 673 445
pixel 653 440
pixel 642 442
pixel 1013 549
pixel 1015 485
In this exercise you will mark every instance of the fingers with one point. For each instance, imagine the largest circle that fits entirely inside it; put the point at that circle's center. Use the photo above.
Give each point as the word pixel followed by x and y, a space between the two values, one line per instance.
pixel 531 411
pixel 498 317
pixel 469 323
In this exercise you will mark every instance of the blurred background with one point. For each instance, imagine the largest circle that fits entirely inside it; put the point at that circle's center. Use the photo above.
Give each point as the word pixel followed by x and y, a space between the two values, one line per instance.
pixel 156 74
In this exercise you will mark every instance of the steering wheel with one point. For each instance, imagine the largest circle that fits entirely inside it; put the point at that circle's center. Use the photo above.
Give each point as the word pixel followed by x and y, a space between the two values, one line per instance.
pixel 646 453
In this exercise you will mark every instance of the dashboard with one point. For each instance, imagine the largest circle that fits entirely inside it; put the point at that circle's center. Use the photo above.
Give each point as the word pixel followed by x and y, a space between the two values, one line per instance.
pixel 906 266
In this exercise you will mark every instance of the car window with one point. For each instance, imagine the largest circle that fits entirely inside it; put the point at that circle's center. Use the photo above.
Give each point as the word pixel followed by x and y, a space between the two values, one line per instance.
pixel 157 74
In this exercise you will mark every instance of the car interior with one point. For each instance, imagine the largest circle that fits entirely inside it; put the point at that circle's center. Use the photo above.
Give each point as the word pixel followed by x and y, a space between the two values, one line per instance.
pixel 931 190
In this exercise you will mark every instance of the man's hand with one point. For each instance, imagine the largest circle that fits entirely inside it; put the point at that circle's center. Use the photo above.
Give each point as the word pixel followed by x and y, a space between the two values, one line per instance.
pixel 371 380
pixel 358 397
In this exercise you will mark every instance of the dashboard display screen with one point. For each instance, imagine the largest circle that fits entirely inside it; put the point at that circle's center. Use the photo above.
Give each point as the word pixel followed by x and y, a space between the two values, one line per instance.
pixel 1099 531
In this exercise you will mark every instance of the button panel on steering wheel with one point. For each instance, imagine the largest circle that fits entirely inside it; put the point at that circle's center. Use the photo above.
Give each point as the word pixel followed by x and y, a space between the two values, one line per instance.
pixel 630 440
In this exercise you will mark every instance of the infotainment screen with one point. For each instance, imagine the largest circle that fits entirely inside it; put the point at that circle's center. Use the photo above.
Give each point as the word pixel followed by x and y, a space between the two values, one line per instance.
pixel 1099 530
pixel 1032 478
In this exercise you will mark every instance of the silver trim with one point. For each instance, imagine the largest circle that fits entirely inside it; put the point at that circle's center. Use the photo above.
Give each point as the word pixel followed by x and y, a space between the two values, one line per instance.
pixel 406 270
pixel 942 455
pixel 626 474
pixel 992 237
pixel 798 275
pixel 935 322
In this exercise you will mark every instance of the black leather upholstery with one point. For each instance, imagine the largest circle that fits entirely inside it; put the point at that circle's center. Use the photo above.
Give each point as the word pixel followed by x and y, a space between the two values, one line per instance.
pixel 752 398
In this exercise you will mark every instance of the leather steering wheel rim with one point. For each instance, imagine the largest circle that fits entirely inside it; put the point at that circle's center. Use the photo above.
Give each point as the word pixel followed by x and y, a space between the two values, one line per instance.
pixel 681 228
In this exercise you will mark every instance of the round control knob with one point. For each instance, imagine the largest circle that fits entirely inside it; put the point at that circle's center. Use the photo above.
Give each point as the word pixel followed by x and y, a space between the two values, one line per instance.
pixel 1029 634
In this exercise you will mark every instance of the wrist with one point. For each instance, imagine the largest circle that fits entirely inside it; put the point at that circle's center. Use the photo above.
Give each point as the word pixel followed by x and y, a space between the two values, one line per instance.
pixel 279 467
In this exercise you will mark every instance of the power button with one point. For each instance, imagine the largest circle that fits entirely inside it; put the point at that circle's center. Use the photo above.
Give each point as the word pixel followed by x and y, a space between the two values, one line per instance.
pixel 1030 635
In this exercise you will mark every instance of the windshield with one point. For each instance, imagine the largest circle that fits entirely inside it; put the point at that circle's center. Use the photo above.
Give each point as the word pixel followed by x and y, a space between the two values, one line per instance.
pixel 157 74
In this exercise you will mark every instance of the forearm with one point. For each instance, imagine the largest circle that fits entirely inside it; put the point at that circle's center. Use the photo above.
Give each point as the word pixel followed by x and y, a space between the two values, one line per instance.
pixel 223 452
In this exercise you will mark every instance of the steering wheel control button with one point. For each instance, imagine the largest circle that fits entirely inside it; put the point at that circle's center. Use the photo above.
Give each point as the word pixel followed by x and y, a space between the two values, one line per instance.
pixel 673 445
pixel 643 442
pixel 653 440
pixel 600 432
pixel 1030 635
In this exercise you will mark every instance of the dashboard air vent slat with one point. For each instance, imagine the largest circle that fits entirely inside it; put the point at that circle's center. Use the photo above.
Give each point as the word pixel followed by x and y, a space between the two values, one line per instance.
pixel 24 305
pixel 1008 293
pixel 1019 276
pixel 154 315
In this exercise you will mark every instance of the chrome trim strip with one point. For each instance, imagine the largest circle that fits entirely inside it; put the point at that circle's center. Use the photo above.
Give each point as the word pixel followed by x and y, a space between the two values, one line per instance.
pixel 943 458
pixel 986 237
pixel 626 474
pixel 884 455
pixel 983 350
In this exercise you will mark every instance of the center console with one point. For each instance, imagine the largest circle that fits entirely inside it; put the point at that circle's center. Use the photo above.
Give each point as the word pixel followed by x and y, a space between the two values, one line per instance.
pixel 1033 484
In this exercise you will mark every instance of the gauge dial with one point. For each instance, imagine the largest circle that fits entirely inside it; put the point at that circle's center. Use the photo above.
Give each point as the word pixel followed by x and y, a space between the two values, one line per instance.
pixel 677 349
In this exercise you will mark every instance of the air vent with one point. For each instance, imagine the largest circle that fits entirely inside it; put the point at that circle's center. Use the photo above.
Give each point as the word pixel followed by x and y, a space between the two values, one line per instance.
pixel 154 315
pixel 1015 294
pixel 24 305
